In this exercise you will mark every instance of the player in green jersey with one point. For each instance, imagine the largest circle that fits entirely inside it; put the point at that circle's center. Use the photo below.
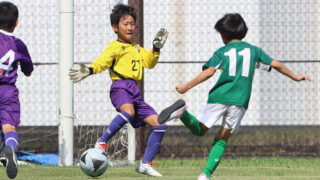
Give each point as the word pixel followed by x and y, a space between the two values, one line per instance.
pixel 230 96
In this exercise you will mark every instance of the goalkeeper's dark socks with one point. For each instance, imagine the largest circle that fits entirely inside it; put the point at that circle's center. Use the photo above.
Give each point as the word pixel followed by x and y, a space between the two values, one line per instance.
pixel 116 124
pixel 192 123
pixel 153 144
pixel 215 156
pixel 11 139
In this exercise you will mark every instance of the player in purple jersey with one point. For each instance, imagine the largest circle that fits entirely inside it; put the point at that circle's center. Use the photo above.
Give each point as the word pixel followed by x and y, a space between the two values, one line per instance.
pixel 12 53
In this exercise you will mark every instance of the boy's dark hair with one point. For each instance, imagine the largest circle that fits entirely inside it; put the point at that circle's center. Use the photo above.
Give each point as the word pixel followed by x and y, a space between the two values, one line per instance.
pixel 120 10
pixel 232 26
pixel 8 15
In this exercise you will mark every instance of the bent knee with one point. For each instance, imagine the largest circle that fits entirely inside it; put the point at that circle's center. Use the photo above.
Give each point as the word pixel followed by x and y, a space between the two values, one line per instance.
pixel 224 134
pixel 8 128
pixel 128 108
pixel 131 113
pixel 204 129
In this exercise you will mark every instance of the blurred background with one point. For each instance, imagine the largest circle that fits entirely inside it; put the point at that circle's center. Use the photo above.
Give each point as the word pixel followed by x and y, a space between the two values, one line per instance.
pixel 283 117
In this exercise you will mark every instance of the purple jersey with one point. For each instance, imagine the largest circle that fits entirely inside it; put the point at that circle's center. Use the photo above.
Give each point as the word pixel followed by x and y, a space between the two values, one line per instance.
pixel 12 51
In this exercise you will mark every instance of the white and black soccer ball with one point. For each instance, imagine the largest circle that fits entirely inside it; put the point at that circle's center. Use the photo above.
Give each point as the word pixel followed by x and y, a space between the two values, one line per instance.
pixel 93 162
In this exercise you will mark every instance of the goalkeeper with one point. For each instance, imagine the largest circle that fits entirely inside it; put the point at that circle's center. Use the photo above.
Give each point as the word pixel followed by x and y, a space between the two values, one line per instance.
pixel 125 61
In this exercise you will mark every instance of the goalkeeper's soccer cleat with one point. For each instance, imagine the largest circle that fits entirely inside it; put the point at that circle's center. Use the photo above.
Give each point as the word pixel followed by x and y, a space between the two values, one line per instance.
pixel 160 38
pixel 9 160
pixel 203 177
pixel 147 169
pixel 102 146
pixel 172 112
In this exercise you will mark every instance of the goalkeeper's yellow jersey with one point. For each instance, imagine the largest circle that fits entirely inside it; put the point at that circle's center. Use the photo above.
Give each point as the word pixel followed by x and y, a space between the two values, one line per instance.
pixel 125 60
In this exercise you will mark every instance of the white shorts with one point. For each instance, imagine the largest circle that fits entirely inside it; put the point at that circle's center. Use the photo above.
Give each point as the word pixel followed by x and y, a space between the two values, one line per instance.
pixel 232 115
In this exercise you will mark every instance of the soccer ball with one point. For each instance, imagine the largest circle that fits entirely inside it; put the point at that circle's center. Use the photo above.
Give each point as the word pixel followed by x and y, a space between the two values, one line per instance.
pixel 93 162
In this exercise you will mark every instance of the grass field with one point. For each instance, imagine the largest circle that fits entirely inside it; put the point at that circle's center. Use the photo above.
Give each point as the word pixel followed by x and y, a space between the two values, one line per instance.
pixel 185 169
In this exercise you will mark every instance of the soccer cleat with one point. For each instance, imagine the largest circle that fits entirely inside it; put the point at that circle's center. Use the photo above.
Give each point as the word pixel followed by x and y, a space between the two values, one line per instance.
pixel 147 169
pixel 10 161
pixel 3 158
pixel 172 112
pixel 102 146
pixel 203 177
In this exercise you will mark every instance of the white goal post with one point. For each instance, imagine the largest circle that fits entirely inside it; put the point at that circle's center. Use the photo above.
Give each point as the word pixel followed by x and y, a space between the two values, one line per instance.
pixel 66 94
pixel 66 50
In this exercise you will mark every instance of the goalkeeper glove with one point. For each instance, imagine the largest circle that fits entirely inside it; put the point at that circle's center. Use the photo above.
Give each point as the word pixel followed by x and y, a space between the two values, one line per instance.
pixel 160 38
pixel 78 73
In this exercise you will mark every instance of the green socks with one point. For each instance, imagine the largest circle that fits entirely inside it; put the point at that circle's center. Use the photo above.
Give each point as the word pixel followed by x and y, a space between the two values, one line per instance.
pixel 215 156
pixel 192 123
pixel 219 145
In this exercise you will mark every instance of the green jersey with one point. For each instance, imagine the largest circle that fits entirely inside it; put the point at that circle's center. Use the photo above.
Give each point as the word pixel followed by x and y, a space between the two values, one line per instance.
pixel 237 62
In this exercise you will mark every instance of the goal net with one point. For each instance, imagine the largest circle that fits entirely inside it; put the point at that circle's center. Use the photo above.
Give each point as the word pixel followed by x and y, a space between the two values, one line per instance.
pixel 286 30
pixel 39 29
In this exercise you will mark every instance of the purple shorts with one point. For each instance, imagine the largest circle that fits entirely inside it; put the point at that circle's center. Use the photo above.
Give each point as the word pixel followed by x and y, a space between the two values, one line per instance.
pixel 9 105
pixel 127 92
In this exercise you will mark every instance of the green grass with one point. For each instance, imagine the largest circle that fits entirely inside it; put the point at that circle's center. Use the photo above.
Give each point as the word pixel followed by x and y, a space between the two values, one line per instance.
pixel 187 169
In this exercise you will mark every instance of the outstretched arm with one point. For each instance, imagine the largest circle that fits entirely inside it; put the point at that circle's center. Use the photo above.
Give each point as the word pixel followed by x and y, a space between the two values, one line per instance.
pixel 202 76
pixel 78 73
pixel 285 71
